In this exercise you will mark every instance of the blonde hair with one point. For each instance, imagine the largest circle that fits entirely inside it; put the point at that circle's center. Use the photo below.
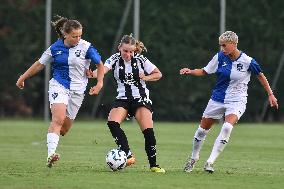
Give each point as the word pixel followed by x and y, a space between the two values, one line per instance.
pixel 129 39
pixel 229 36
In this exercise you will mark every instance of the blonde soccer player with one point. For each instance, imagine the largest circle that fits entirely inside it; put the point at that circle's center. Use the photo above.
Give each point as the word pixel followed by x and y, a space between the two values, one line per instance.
pixel 229 96
pixel 131 71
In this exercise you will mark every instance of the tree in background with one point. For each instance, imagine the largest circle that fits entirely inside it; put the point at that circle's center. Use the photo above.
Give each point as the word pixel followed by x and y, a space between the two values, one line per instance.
pixel 177 34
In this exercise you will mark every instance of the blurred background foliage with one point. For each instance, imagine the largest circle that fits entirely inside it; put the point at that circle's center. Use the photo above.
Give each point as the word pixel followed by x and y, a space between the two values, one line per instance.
pixel 177 34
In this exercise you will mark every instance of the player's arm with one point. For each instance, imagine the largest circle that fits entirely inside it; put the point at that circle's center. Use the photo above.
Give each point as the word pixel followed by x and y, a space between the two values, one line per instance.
pixel 99 74
pixel 155 75
pixel 94 74
pixel 35 68
pixel 272 99
pixel 211 68
pixel 195 72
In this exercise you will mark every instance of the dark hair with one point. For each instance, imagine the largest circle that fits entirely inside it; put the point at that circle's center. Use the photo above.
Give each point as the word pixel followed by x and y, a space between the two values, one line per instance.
pixel 62 24
pixel 129 39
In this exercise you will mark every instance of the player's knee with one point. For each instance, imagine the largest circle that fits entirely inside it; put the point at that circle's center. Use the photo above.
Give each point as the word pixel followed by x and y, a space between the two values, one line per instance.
pixel 58 120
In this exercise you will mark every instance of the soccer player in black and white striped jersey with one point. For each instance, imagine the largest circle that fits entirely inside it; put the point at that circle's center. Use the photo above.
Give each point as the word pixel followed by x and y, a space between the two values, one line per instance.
pixel 131 70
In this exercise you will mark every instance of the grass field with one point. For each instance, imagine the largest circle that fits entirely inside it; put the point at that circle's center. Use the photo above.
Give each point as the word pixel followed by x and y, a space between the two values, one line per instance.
pixel 254 157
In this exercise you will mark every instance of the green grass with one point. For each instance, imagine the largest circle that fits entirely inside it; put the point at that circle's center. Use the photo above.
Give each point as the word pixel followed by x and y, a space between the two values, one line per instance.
pixel 254 157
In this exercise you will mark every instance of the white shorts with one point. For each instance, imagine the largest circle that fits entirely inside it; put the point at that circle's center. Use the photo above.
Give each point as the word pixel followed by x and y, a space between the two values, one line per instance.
pixel 59 94
pixel 216 110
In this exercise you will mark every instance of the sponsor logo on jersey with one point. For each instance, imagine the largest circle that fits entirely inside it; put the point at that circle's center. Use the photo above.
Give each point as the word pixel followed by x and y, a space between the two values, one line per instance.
pixel 129 79
pixel 224 64
pixel 58 52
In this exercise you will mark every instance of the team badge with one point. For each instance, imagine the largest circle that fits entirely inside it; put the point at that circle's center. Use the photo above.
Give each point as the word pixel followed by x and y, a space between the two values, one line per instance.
pixel 54 95
pixel 78 53
pixel 239 66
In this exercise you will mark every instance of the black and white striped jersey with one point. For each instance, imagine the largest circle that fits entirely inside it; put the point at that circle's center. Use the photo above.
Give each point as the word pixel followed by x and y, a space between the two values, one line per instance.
pixel 126 74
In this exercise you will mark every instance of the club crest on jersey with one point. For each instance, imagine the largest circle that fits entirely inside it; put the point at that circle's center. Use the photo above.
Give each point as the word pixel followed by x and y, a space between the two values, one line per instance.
pixel 239 66
pixel 78 53
pixel 135 65
pixel 54 95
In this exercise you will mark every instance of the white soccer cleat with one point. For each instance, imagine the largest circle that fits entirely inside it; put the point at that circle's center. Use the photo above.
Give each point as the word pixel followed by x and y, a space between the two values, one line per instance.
pixel 189 165
pixel 208 167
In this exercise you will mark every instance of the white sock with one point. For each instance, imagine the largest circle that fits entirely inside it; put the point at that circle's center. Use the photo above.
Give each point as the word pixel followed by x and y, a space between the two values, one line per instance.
pixel 197 142
pixel 52 140
pixel 220 142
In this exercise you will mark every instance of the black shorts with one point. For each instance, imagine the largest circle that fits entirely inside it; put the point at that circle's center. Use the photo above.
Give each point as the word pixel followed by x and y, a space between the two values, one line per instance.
pixel 131 105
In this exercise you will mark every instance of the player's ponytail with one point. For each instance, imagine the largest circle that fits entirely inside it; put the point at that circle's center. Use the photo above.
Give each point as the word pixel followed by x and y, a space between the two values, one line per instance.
pixel 63 24
pixel 140 47
pixel 58 25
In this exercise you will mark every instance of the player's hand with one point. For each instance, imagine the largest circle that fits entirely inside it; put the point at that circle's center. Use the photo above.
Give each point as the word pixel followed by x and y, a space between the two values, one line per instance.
pixel 185 71
pixel 89 73
pixel 96 89
pixel 20 83
pixel 273 101
pixel 143 76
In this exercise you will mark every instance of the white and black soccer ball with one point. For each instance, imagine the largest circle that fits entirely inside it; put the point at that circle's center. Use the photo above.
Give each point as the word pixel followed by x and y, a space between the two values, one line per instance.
pixel 116 159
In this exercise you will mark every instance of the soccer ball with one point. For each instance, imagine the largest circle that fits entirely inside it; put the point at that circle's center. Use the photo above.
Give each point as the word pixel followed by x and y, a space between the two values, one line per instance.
pixel 116 159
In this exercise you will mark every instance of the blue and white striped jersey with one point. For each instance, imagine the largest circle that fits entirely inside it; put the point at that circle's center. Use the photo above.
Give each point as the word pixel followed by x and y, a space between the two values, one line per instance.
pixel 126 74
pixel 69 64
pixel 232 77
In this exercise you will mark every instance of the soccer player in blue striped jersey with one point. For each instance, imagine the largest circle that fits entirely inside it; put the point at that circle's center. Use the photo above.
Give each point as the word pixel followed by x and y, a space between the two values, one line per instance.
pixel 229 96
pixel 70 58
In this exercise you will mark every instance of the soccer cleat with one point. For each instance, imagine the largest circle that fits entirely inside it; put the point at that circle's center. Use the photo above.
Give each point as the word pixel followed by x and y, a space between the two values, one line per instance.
pixel 157 169
pixel 130 160
pixel 52 159
pixel 189 165
pixel 209 167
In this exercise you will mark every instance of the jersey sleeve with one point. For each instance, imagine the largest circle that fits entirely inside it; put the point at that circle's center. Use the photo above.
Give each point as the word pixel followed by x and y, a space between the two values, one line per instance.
pixel 46 57
pixel 254 67
pixel 147 64
pixel 110 61
pixel 93 54
pixel 212 65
